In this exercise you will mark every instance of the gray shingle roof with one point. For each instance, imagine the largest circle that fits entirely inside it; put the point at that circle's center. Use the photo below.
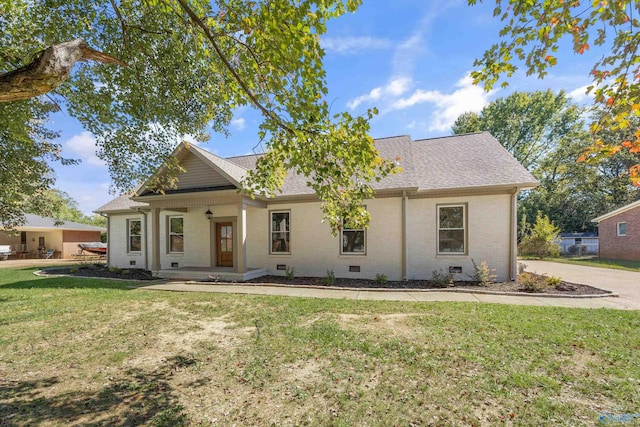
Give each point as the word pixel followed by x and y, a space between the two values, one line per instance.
pixel 122 203
pixel 35 221
pixel 473 160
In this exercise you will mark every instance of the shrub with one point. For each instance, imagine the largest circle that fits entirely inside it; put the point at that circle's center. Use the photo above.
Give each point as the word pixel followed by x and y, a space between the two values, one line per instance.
pixel 441 279
pixel 532 282
pixel 541 240
pixel 74 270
pixel 381 278
pixel 290 273
pixel 554 281
pixel 482 273
pixel 330 278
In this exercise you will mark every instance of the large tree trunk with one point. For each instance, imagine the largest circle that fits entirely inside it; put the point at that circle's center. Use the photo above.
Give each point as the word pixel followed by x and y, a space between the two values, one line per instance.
pixel 48 70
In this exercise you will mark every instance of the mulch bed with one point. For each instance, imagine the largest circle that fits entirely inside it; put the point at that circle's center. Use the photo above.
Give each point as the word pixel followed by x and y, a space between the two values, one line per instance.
pixel 565 288
pixel 101 271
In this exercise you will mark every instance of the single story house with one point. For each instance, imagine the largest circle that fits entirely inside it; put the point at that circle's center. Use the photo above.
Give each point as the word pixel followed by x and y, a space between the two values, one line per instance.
pixel 454 203
pixel 39 234
pixel 585 243
pixel 619 232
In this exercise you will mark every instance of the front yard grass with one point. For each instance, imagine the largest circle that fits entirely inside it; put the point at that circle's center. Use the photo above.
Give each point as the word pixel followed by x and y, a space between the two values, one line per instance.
pixel 615 264
pixel 93 352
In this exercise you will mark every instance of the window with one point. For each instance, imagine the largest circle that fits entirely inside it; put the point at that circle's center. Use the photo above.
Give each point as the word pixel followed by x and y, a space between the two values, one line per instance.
pixel 451 229
pixel 135 235
pixel 622 229
pixel 176 234
pixel 353 240
pixel 280 233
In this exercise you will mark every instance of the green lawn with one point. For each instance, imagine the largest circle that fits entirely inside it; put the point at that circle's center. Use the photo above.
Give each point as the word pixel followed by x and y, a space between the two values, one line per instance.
pixel 597 262
pixel 93 352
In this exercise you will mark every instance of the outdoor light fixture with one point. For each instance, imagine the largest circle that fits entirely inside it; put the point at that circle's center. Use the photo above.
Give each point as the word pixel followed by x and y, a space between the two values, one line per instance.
pixel 208 214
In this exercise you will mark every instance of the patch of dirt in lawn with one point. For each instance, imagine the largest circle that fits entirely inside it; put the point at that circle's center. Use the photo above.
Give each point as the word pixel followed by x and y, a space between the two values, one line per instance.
pixel 396 323
pixel 100 271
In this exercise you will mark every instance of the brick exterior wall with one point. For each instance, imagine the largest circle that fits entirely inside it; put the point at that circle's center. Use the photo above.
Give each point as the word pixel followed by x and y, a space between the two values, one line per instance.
pixel 71 238
pixel 626 247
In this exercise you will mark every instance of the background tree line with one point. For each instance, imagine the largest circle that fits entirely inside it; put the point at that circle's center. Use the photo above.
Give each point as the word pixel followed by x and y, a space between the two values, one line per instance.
pixel 547 133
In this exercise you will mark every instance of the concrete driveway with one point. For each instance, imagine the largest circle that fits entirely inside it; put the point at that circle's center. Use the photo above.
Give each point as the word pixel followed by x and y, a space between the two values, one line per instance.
pixel 625 283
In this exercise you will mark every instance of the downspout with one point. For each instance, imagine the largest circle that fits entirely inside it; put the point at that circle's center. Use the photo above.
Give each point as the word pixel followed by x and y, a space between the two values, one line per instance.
pixel 513 238
pixel 404 260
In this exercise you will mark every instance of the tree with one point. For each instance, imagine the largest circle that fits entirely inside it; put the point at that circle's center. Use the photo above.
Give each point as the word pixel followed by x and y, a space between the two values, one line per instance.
pixel 528 125
pixel 532 35
pixel 62 207
pixel 540 240
pixel 546 133
pixel 190 64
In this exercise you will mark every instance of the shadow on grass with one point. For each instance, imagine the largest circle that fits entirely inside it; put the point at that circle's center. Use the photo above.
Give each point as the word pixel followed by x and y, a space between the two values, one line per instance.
pixel 136 397
pixel 71 283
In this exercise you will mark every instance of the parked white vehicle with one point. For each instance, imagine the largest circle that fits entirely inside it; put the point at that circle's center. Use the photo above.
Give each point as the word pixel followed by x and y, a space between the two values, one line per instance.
pixel 5 251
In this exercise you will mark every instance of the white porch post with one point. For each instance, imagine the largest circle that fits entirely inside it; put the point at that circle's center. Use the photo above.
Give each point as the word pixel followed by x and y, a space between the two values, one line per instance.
pixel 155 239
pixel 242 237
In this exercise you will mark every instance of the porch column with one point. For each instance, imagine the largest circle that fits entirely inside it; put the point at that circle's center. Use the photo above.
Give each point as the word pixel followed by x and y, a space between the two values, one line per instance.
pixel 155 239
pixel 242 237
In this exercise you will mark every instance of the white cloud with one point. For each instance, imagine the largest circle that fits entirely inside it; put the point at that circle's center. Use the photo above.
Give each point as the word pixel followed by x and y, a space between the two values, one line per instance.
pixel 84 145
pixel 347 45
pixel 238 123
pixel 580 94
pixel 395 87
pixel 467 97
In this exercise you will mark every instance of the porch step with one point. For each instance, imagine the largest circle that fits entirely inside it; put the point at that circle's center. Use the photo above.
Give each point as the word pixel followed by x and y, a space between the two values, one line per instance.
pixel 209 274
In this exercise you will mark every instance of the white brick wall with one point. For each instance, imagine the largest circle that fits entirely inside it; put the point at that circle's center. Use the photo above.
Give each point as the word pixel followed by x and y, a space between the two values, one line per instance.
pixel 488 236
pixel 314 250
pixel 118 256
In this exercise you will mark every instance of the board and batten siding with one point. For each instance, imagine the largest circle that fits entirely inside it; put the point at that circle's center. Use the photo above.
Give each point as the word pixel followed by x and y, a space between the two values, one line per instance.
pixel 198 174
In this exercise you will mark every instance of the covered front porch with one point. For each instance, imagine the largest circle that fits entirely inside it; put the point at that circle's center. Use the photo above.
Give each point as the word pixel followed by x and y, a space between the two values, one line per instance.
pixel 201 236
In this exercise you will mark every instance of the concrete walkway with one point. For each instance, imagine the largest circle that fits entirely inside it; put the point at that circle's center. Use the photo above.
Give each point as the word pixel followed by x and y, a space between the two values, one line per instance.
pixel 627 285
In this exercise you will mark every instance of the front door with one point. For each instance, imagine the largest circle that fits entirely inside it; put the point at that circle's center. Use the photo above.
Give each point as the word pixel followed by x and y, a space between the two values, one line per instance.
pixel 224 244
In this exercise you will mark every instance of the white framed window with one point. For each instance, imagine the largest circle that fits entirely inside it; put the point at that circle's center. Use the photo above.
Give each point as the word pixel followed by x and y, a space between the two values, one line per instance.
pixel 176 234
pixel 452 233
pixel 134 238
pixel 353 240
pixel 280 232
pixel 622 229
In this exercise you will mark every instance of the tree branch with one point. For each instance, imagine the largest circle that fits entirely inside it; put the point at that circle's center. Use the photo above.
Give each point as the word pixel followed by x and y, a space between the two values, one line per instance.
pixel 209 34
pixel 48 70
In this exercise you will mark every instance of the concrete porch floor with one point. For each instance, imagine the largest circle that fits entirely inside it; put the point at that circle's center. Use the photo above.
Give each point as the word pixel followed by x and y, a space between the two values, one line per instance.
pixel 211 273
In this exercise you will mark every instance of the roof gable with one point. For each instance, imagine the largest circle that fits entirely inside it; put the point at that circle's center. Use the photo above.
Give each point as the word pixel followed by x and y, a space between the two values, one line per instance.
pixel 204 171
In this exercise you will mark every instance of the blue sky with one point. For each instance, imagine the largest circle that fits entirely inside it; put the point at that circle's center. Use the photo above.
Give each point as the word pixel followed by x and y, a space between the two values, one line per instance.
pixel 409 58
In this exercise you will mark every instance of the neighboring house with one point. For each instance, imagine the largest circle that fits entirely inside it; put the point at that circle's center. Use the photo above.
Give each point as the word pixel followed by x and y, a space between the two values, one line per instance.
pixel 619 232
pixel 454 202
pixel 578 243
pixel 39 234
